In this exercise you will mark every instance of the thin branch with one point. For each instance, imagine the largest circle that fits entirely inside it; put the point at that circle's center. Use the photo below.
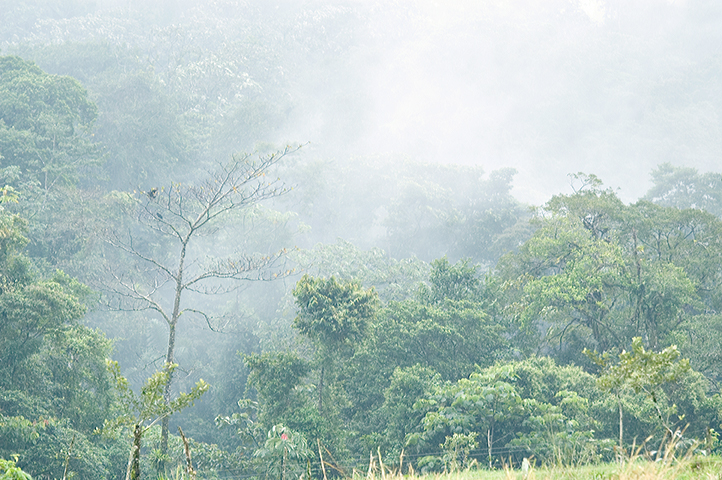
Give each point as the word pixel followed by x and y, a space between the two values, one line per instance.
pixel 205 316
pixel 129 248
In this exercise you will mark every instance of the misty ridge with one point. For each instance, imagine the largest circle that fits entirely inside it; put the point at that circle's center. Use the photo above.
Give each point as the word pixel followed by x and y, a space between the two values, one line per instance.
pixel 323 220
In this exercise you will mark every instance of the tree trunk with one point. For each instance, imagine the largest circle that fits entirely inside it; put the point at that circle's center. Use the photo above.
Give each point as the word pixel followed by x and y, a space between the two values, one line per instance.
pixel 621 430
pixel 133 472
pixel 167 391
pixel 490 442
pixel 169 358
pixel 189 462
pixel 320 391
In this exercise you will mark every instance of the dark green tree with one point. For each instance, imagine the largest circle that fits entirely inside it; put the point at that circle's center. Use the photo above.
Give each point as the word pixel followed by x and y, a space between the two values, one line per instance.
pixel 277 379
pixel 335 316
pixel 46 150
pixel 45 125
pixel 481 404
pixel 54 390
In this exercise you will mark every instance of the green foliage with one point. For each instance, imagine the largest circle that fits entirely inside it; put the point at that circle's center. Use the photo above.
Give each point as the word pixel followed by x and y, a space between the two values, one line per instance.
pixel 44 443
pixel 46 149
pixel 333 313
pixel 29 313
pixel 561 434
pixel 9 195
pixel 452 338
pixel 14 267
pixel 335 316
pixel 643 371
pixel 398 417
pixel 519 409
pixel 456 450
pixel 11 472
pixel 699 344
pixel 393 279
pixel 597 273
pixel 50 366
pixel 284 453
pixel 43 124
pixel 276 378
pixel 284 397
pixel 483 403
pixel 139 413
pixel 149 407
pixel 453 282
pixel 684 187
pixel 209 460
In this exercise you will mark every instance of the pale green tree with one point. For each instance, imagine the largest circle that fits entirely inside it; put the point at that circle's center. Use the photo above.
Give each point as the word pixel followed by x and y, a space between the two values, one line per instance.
pixel 644 371
pixel 140 412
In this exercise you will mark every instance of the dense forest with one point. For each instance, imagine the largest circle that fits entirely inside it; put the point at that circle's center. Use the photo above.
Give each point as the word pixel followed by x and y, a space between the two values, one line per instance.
pixel 212 253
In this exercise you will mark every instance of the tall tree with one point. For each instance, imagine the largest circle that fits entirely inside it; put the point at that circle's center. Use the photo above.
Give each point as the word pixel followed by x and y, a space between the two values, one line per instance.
pixel 685 187
pixel 178 217
pixel 335 316
pixel 644 371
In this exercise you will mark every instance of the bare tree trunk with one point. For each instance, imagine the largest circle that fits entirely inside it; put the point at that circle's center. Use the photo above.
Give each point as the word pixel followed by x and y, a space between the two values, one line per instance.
pixel 186 446
pixel 167 391
pixel 169 358
pixel 323 465
pixel 490 442
pixel 189 209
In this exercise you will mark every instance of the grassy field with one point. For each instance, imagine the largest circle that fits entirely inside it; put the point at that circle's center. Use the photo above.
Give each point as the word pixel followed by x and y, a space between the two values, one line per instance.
pixel 707 468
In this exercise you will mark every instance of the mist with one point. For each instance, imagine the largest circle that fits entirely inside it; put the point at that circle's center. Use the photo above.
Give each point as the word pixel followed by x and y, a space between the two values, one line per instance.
pixel 547 88
pixel 428 172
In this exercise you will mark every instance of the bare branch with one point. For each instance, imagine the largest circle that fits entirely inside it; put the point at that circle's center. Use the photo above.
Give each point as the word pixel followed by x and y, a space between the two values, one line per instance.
pixel 129 247
pixel 206 317
pixel 182 213
pixel 242 267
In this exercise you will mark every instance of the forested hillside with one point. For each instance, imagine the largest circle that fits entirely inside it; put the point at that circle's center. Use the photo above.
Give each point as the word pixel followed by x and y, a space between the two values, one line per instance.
pixel 210 245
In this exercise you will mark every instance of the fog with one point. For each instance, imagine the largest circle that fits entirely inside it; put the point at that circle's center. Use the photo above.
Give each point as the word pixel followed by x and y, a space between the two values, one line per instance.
pixel 547 87
pixel 412 141
pixel 408 111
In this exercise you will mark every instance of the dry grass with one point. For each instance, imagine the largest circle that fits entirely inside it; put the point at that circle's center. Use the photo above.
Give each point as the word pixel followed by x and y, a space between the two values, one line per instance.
pixel 639 465
pixel 702 469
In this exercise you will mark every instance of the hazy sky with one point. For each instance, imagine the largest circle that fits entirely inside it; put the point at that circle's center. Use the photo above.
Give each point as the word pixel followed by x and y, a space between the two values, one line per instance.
pixel 547 87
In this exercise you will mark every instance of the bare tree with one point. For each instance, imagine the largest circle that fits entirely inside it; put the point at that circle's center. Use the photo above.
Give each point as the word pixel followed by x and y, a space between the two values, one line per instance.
pixel 180 215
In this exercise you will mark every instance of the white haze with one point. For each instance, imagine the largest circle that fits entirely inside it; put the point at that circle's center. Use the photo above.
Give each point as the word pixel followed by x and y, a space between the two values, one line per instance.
pixel 547 87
